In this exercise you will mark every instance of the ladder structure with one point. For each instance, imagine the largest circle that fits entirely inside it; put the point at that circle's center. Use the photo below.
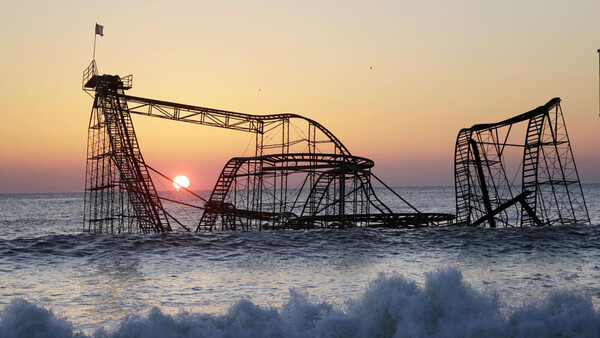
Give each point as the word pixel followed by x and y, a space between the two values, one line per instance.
pixel 120 195
pixel 531 157
pixel 216 205
pixel 549 191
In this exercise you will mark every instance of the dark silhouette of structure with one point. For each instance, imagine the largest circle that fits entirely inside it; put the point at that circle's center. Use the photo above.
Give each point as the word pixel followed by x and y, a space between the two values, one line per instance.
pixel 299 177
pixel 549 191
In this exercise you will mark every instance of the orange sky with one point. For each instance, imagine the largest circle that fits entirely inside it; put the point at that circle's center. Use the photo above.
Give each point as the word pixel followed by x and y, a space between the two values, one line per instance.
pixel 437 66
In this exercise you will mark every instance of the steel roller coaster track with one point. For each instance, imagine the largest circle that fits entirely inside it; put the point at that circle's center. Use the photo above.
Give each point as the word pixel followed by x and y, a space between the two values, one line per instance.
pixel 301 175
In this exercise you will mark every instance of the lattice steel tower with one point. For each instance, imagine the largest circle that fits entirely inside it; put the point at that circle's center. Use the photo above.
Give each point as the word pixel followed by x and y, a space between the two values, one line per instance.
pixel 119 193
pixel 549 191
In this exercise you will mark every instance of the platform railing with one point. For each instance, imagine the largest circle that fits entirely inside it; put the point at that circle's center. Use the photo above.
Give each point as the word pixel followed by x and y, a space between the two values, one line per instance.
pixel 88 73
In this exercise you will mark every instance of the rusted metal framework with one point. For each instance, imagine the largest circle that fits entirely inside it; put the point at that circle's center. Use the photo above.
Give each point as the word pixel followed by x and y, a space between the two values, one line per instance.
pixel 330 191
pixel 300 176
pixel 120 195
pixel 549 191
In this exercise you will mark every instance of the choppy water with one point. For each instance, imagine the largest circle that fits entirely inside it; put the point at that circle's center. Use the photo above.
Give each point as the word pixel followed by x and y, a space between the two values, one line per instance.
pixel 55 280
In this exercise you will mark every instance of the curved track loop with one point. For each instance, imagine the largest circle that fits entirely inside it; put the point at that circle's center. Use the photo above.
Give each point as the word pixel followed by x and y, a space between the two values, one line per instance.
pixel 328 164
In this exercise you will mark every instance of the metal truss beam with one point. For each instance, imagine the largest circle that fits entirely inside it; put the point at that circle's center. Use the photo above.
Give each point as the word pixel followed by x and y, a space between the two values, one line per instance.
pixel 222 118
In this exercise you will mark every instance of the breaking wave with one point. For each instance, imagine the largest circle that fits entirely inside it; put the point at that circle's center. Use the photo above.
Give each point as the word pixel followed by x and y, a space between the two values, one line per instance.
pixel 391 306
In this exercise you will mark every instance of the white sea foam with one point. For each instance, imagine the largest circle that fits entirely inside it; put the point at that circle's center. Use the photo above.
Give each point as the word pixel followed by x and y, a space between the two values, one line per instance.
pixel 391 306
pixel 23 319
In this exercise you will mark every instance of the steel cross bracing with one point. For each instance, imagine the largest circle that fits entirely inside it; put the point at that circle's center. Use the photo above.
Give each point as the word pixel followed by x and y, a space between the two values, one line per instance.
pixel 549 191
pixel 342 196
pixel 301 175
pixel 120 195
pixel 259 124
pixel 340 177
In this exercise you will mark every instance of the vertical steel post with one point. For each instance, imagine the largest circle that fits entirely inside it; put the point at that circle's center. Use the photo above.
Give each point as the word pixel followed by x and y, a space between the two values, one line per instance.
pixel 482 184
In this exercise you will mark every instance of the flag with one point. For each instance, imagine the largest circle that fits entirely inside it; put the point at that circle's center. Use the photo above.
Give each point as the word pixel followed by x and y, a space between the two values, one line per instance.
pixel 100 30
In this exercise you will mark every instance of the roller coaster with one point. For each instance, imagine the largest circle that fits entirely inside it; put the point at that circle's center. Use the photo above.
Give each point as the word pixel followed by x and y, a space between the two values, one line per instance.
pixel 545 188
pixel 301 175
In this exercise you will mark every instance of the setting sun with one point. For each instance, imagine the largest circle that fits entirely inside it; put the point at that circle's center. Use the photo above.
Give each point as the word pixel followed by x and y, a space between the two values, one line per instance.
pixel 181 181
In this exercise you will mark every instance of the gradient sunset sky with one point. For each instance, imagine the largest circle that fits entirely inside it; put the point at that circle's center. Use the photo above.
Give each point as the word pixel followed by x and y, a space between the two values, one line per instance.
pixel 394 80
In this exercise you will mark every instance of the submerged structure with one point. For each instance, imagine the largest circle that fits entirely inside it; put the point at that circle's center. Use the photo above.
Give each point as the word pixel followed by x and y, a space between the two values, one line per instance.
pixel 301 176
pixel 543 187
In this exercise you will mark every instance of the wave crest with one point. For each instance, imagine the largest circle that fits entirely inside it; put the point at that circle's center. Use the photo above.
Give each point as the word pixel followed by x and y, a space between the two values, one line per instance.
pixel 391 306
pixel 21 318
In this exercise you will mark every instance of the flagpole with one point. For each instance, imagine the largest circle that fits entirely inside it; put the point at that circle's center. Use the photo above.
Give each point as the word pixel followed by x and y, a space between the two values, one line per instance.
pixel 598 82
pixel 94 57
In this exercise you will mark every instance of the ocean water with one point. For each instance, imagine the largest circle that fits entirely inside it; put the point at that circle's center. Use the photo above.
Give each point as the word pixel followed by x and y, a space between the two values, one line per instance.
pixel 56 281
